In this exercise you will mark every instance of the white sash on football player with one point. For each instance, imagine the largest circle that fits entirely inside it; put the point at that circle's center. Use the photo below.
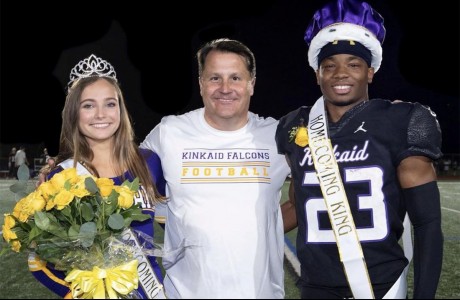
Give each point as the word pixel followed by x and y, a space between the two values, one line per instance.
pixel 349 246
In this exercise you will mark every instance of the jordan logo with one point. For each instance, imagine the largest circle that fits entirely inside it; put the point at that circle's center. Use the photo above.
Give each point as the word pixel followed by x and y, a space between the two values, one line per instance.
pixel 361 128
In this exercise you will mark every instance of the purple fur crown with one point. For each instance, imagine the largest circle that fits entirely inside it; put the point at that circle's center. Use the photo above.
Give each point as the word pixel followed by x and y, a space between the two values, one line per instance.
pixel 352 20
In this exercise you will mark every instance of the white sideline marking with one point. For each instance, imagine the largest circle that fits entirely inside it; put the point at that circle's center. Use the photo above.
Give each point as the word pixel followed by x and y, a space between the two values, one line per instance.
pixel 450 209
pixel 292 258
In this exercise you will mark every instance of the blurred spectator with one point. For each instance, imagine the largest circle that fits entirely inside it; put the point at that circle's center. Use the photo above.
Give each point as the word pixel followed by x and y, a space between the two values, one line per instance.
pixel 11 164
pixel 20 158
pixel 447 164
pixel 45 170
pixel 44 157
pixel 455 167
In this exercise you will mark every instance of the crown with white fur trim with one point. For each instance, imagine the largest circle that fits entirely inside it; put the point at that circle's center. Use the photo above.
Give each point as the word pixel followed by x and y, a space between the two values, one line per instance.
pixel 350 20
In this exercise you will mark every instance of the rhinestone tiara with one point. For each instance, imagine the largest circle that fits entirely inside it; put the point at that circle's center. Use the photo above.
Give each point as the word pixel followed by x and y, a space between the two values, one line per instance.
pixel 92 66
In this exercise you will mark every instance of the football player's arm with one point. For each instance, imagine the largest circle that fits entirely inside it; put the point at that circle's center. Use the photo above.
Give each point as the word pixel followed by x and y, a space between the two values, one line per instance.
pixel 417 178
pixel 288 208
pixel 282 141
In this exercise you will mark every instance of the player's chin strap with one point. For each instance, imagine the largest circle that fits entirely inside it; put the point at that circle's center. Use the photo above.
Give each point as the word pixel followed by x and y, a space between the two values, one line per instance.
pixel 327 171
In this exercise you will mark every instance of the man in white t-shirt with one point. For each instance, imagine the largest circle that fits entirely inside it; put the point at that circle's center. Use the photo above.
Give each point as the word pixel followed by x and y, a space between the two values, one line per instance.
pixel 224 232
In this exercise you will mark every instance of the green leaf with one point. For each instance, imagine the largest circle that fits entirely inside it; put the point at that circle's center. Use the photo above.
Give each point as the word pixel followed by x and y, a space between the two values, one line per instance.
pixel 73 232
pixel 35 232
pixel 52 218
pixel 135 213
pixel 63 218
pixel 100 220
pixel 59 232
pixel 87 234
pixel 23 173
pixel 91 185
pixel 111 203
pixel 88 228
pixel 42 220
pixel 87 211
pixel 95 200
pixel 128 222
pixel 25 226
pixel 52 250
pixel 20 195
pixel 67 211
pixel 134 185
pixel 116 221
pixel 19 186
pixel 23 235
pixel 140 217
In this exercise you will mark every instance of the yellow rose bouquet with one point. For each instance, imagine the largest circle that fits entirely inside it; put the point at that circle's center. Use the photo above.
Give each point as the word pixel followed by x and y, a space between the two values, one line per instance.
pixel 76 223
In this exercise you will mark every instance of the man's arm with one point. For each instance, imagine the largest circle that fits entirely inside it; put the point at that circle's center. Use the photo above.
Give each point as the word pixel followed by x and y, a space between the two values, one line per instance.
pixel 288 210
pixel 417 178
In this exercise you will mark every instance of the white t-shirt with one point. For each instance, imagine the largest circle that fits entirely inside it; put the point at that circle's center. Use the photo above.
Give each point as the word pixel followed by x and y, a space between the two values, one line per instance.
pixel 224 231
pixel 20 158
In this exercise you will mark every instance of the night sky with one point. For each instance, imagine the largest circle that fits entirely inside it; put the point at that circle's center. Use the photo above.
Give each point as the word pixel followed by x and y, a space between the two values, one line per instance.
pixel 153 51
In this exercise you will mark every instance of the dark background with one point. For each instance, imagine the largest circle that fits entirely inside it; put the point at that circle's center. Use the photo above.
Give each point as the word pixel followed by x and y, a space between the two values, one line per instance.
pixel 152 46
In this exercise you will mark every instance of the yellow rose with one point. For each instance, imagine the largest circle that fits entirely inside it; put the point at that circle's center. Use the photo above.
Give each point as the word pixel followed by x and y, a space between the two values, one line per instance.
pixel 126 198
pixel 49 205
pixel 21 210
pixel 301 137
pixel 58 181
pixel 80 192
pixel 16 246
pixel 8 234
pixel 63 199
pixel 105 186
pixel 47 189
pixel 18 212
pixel 70 174
pixel 36 202
pixel 79 188
pixel 27 206
pixel 9 221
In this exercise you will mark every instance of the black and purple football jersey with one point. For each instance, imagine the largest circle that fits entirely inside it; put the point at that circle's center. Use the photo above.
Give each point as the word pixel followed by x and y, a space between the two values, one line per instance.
pixel 369 142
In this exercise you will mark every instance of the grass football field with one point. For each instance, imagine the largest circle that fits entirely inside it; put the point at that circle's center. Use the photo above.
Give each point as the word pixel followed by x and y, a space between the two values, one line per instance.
pixel 16 282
